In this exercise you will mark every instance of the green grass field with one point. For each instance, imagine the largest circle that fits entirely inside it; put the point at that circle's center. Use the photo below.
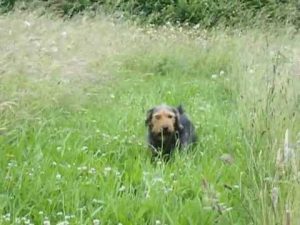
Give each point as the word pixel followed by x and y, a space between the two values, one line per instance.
pixel 73 99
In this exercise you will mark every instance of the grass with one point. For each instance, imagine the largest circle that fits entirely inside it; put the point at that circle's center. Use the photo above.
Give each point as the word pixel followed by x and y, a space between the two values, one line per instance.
pixel 73 100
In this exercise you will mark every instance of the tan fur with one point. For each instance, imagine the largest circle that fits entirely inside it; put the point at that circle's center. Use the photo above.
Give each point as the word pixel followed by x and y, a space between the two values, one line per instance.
pixel 161 119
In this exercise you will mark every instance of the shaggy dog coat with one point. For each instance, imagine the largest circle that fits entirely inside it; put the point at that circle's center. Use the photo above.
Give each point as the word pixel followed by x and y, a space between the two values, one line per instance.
pixel 168 128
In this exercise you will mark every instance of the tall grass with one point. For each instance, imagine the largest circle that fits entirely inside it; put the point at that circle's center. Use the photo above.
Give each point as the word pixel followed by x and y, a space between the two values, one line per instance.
pixel 73 99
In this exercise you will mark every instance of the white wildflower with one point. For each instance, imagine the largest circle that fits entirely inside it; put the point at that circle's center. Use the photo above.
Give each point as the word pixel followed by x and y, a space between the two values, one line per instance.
pixel 64 34
pixel 27 24
pixel 84 148
pixel 122 188
pixel 92 171
pixel 157 222
pixel 96 222
pixel 58 176
pixel 46 222
pixel 214 76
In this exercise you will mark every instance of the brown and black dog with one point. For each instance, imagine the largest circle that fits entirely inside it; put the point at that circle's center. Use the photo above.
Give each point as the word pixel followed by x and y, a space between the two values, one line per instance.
pixel 168 128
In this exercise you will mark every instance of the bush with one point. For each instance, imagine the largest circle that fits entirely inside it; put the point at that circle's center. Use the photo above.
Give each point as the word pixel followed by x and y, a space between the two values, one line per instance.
pixel 6 5
pixel 206 13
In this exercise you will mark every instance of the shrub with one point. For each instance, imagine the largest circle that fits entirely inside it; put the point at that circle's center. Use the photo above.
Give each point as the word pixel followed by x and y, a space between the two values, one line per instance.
pixel 206 13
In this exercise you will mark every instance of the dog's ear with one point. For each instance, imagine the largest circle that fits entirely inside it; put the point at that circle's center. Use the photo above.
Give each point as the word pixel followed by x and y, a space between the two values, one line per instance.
pixel 149 117
pixel 180 109
pixel 177 112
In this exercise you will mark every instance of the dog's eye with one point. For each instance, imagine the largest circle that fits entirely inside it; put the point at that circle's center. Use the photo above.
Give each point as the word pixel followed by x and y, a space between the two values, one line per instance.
pixel 170 116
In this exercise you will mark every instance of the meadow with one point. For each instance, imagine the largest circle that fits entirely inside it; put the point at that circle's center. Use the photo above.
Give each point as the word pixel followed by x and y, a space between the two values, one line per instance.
pixel 73 99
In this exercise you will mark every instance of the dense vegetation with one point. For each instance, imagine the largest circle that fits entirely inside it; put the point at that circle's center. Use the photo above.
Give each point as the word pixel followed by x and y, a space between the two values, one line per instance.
pixel 73 97
pixel 207 13
pixel 77 77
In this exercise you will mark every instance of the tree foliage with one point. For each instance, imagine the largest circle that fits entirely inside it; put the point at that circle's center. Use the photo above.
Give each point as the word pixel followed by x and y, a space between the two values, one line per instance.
pixel 207 13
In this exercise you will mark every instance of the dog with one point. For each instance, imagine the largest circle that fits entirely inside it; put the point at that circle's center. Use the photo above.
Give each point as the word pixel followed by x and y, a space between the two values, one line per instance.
pixel 169 128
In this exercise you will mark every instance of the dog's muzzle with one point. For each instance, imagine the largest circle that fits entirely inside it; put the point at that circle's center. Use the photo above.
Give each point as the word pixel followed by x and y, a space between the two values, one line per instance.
pixel 164 132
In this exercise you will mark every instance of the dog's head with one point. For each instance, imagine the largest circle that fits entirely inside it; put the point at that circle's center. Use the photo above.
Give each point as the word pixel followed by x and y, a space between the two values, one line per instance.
pixel 163 120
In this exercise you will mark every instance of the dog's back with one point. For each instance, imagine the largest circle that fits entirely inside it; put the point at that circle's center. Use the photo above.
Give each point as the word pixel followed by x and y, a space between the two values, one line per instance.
pixel 187 134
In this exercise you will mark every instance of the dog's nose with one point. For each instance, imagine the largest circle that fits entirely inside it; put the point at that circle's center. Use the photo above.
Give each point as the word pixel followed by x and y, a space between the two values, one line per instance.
pixel 165 129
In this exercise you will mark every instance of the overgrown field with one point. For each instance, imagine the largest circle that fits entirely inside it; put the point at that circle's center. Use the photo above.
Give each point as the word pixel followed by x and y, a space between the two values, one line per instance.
pixel 73 98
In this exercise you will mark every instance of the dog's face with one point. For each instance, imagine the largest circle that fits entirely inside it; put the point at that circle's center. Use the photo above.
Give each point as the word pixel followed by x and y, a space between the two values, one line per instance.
pixel 163 120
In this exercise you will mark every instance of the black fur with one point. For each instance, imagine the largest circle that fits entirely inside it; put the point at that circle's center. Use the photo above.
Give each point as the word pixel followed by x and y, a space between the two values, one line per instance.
pixel 183 136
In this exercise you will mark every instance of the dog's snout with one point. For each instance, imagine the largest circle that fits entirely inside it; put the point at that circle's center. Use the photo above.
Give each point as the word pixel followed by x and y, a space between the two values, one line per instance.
pixel 165 129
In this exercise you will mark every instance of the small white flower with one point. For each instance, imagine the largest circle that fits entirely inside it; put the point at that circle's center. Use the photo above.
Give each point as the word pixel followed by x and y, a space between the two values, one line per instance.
pixel 46 222
pixel 63 223
pixel 12 164
pixel 58 176
pixel 196 26
pixel 98 201
pixel 107 169
pixel 18 220
pixel 64 34
pixel 41 212
pixel 67 217
pixel 122 188
pixel 222 73
pixel 84 148
pixel 157 222
pixel 115 137
pixel 167 190
pixel 158 180
pixel 82 168
pixel 92 171
pixel 6 217
pixel 96 222
pixel 112 96
pixel 214 76
pixel 27 24
pixel 59 213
